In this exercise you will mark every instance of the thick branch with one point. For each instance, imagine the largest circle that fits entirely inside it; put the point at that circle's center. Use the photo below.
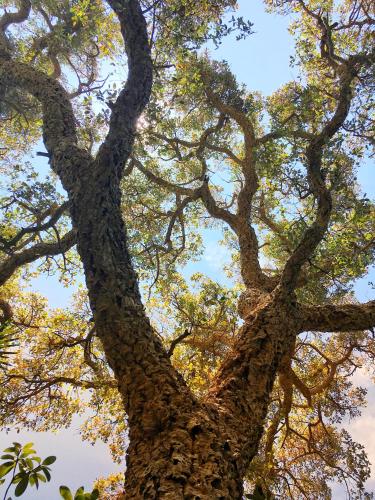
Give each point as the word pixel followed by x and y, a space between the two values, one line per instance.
pixel 11 264
pixel 338 318
pixel 58 119
pixel 314 153
pixel 238 116
pixel 12 18
pixel 244 382
pixel 135 95
pixel 59 131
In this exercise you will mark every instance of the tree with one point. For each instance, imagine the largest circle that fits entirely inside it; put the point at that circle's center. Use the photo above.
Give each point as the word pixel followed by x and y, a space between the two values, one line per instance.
pixel 292 199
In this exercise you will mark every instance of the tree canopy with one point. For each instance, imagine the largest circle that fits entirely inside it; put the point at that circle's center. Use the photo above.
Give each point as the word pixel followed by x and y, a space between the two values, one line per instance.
pixel 149 142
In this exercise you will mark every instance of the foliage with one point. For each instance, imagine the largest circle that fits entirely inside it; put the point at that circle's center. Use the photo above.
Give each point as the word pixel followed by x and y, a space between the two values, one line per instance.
pixel 25 467
pixel 80 494
pixel 111 487
pixel 7 341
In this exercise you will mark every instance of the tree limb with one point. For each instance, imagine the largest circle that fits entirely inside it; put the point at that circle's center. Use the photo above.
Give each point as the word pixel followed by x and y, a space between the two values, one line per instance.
pixel 314 153
pixel 133 98
pixel 56 214
pixel 28 255
pixel 177 341
pixel 338 318
pixel 11 18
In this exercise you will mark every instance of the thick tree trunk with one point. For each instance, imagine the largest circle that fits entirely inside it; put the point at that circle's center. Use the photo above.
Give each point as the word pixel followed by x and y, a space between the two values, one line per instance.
pixel 205 450
pixel 189 458
pixel 176 448
pixel 179 447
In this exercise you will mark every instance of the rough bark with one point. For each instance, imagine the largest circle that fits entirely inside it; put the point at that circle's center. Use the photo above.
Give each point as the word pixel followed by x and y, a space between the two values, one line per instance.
pixel 339 318
pixel 244 382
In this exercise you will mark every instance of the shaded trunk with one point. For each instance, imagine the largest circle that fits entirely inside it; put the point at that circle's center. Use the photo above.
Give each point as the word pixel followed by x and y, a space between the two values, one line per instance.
pixel 176 447
pixel 189 458
pixel 244 382
pixel 179 447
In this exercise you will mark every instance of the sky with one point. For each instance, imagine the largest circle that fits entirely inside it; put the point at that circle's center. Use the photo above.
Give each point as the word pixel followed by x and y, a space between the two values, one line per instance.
pixel 262 62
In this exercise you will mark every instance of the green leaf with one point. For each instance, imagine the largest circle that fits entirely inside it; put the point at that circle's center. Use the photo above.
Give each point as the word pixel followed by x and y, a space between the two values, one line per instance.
pixel 4 469
pixel 29 463
pixel 49 460
pixel 6 464
pixel 11 449
pixel 18 477
pixel 46 473
pixel 95 494
pixel 65 493
pixel 26 453
pixel 6 457
pixel 79 491
pixel 21 486
pixel 28 445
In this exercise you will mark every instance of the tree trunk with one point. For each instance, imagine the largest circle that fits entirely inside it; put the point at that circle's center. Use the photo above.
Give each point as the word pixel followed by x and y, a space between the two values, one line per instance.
pixel 190 458
pixel 179 447
pixel 176 447
pixel 204 451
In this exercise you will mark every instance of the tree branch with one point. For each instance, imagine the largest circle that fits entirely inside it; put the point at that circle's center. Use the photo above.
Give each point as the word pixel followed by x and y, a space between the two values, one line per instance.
pixel 11 264
pixel 238 116
pixel 203 192
pixel 177 341
pixel 12 18
pixel 281 134
pixel 56 214
pixel 195 144
pixel 248 241
pixel 314 153
pixel 133 98
pixel 338 318
pixel 59 129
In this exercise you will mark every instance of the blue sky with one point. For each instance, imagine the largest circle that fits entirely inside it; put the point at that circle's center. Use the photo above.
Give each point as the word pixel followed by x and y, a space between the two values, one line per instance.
pixel 262 62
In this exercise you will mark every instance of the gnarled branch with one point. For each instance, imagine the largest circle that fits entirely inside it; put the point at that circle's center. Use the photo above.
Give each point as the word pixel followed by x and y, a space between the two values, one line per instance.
pixel 314 153
pixel 338 318
pixel 133 98
pixel 28 255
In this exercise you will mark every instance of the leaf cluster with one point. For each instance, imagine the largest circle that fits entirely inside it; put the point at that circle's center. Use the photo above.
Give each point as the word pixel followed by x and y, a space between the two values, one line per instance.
pixel 26 467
